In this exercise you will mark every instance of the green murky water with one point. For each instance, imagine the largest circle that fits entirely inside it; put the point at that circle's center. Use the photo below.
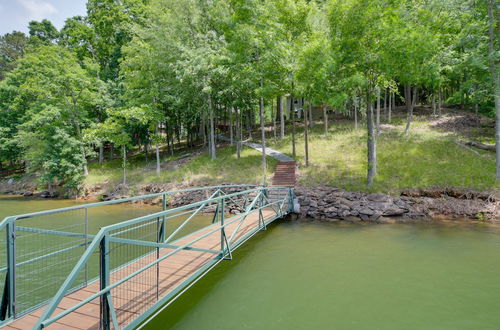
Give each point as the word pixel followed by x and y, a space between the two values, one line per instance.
pixel 38 279
pixel 326 276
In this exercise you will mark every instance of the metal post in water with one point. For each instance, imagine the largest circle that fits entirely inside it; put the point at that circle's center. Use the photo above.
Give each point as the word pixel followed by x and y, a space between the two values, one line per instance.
pixel 158 240
pixel 222 230
pixel 86 244
pixel 104 281
pixel 164 218
pixel 216 215
pixel 8 303
pixel 262 222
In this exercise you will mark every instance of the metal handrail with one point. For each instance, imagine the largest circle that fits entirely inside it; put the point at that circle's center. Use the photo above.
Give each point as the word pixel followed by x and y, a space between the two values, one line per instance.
pixel 47 322
pixel 107 234
pixel 116 201
pixel 10 225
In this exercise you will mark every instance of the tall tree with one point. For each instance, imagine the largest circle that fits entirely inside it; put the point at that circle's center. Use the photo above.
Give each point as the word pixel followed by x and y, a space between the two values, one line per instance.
pixel 12 47
pixel 493 51
pixel 55 95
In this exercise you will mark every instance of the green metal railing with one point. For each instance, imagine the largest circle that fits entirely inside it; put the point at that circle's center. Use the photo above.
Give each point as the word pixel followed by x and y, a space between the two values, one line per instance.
pixel 47 260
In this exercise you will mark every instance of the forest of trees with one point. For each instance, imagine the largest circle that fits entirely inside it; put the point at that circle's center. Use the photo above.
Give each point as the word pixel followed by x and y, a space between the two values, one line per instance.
pixel 145 74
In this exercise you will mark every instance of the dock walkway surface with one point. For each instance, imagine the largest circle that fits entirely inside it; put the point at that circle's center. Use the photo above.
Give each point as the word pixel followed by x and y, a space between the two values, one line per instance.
pixel 171 276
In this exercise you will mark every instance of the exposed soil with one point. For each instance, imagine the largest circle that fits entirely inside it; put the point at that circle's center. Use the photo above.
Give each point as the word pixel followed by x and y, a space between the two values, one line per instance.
pixel 453 122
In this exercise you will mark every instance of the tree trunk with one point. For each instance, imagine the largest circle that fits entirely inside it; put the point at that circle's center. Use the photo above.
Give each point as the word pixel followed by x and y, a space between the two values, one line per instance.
pixel 393 101
pixel 79 135
pixel 356 114
pixel 249 124
pixel 378 112
pixel 263 137
pixel 85 167
pixel 238 134
pixel 203 129
pixel 212 129
pixel 409 106
pixel 492 5
pixel 306 131
pixel 124 165
pixel 158 166
pixel 178 133
pixel 389 115
pixel 311 121
pixel 282 118
pixel 231 126
pixel 325 118
pixel 371 143
pixel 172 147
pixel 433 104
pixel 292 113
pixel 385 103
pixel 274 113
pixel 101 153
pixel 440 102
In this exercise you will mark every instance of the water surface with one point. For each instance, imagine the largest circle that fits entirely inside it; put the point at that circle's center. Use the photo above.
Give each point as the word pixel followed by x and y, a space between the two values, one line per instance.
pixel 325 276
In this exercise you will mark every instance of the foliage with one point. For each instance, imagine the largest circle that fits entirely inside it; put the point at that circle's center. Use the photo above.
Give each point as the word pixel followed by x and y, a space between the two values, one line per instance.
pixel 136 73
pixel 12 47
pixel 53 98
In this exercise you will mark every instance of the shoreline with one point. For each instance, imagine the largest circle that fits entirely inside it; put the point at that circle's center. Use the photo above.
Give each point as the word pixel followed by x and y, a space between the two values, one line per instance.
pixel 320 203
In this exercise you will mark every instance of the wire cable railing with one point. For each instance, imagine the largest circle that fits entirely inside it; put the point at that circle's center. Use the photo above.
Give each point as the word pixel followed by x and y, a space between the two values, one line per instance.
pixel 122 268
pixel 45 245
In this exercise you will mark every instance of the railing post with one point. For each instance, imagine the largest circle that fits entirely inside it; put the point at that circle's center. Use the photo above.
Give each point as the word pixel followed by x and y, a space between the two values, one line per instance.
pixel 216 214
pixel 159 228
pixel 224 243
pixel 220 204
pixel 8 304
pixel 86 244
pixel 292 200
pixel 104 282
pixel 163 230
pixel 262 223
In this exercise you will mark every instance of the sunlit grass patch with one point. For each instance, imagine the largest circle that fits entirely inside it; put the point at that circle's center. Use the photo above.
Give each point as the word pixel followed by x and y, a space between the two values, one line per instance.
pixel 198 170
pixel 425 158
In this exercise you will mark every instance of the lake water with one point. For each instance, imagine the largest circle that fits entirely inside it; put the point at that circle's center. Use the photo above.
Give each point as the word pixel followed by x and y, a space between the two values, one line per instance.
pixel 327 276
pixel 337 276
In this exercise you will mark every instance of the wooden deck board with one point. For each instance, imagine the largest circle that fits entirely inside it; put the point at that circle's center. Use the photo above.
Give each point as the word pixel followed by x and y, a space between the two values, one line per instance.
pixel 135 296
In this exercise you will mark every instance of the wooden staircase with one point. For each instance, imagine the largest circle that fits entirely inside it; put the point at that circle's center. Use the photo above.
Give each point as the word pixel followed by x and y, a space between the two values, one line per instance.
pixel 284 174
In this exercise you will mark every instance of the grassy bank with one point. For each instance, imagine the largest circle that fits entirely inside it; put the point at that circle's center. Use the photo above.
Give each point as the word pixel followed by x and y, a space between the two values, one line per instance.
pixel 428 157
pixel 196 169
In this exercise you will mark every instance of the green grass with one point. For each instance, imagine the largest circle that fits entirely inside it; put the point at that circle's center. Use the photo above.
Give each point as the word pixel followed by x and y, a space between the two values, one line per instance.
pixel 427 158
pixel 200 170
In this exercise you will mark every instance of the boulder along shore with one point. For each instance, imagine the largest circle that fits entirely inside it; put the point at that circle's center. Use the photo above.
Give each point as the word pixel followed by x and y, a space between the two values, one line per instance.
pixel 333 204
pixel 319 203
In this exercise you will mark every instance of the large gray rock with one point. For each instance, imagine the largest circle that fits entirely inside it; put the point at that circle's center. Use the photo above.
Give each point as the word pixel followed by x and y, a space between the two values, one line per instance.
pixel 366 211
pixel 378 198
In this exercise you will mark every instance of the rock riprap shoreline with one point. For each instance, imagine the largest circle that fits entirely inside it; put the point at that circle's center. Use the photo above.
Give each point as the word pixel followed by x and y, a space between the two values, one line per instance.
pixel 333 204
